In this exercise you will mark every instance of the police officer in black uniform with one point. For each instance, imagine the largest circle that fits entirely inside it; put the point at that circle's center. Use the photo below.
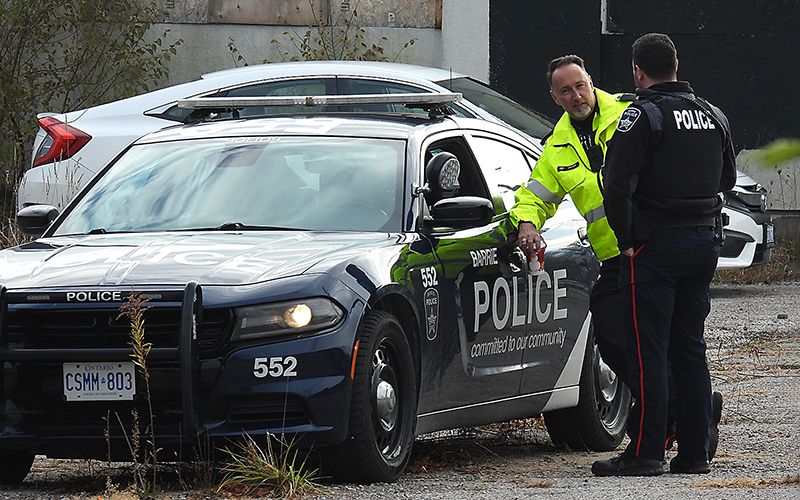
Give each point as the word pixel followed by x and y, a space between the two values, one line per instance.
pixel 670 157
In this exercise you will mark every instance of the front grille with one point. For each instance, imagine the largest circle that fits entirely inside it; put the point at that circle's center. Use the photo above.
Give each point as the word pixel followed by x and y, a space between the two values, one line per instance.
pixel 271 410
pixel 733 246
pixel 100 415
pixel 56 328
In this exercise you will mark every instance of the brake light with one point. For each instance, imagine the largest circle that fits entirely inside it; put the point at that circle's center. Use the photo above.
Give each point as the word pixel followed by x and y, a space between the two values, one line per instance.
pixel 62 142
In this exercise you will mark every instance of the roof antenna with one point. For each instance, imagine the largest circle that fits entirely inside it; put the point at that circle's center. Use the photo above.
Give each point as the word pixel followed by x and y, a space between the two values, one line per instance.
pixel 451 78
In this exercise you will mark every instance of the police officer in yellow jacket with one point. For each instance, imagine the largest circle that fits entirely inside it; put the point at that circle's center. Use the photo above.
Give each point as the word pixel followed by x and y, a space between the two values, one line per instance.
pixel 571 164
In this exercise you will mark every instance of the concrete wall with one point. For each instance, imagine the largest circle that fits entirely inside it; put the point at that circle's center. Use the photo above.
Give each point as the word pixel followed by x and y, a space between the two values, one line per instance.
pixel 462 43
pixel 205 46
pixel 465 37
pixel 783 192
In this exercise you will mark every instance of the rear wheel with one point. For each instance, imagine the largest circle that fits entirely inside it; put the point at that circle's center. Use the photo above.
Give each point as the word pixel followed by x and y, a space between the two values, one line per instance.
pixel 14 466
pixel 383 407
pixel 598 422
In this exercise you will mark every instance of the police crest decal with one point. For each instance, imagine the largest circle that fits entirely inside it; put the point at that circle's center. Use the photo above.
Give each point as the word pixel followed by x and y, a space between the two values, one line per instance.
pixel 628 118
pixel 432 312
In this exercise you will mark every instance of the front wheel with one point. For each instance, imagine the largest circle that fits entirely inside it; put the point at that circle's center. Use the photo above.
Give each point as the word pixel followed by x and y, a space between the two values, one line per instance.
pixel 598 422
pixel 383 407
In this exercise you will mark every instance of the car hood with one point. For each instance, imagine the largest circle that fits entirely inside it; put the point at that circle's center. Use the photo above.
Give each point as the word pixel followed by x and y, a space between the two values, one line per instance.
pixel 223 258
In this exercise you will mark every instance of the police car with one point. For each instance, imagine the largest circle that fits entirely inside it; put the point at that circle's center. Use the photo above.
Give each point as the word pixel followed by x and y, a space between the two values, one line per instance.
pixel 350 279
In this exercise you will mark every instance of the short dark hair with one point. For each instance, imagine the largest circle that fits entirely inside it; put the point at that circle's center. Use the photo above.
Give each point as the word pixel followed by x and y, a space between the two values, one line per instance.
pixel 655 54
pixel 559 62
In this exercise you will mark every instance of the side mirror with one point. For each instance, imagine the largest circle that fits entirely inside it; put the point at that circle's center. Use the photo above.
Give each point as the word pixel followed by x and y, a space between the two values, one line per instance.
pixel 442 171
pixel 35 219
pixel 462 212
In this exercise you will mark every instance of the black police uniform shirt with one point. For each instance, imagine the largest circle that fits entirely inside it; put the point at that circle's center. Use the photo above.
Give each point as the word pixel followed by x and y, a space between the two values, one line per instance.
pixel 585 131
pixel 666 173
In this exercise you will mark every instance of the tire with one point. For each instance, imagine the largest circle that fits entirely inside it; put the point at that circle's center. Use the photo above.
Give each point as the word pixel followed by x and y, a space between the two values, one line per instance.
pixel 14 466
pixel 598 422
pixel 383 407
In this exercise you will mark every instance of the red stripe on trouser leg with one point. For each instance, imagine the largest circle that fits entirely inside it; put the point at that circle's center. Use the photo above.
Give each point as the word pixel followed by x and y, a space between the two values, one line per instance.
pixel 639 353
pixel 666 443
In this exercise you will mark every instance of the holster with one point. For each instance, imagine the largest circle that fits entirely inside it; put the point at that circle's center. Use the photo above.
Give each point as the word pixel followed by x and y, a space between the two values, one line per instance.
pixel 720 221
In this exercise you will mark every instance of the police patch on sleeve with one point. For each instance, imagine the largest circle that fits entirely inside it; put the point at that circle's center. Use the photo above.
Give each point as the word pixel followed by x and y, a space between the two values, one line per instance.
pixel 628 118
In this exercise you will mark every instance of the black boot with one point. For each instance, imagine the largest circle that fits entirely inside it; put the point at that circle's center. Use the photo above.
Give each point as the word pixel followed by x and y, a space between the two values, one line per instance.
pixel 713 432
pixel 626 465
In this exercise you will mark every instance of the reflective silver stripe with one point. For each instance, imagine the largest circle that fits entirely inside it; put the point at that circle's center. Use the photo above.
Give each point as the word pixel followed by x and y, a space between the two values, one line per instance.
pixel 595 215
pixel 542 192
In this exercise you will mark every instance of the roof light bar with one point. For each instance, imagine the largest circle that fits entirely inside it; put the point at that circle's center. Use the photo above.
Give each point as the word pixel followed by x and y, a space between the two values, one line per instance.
pixel 412 99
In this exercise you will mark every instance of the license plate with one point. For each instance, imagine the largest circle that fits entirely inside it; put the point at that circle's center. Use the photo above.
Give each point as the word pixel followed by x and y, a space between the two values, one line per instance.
pixel 99 381
pixel 769 234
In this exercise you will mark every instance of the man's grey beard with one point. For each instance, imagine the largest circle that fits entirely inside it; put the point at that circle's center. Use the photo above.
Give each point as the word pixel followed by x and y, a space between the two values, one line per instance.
pixel 581 116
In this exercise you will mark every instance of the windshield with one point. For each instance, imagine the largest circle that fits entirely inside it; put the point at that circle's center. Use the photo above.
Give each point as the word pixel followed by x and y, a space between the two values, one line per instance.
pixel 513 113
pixel 314 183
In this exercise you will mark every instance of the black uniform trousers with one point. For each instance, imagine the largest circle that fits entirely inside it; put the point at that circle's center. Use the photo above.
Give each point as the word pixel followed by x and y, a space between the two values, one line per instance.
pixel 665 287
pixel 606 308
pixel 609 333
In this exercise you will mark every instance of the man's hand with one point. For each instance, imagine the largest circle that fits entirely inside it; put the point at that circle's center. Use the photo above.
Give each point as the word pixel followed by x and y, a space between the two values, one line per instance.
pixel 529 239
pixel 628 252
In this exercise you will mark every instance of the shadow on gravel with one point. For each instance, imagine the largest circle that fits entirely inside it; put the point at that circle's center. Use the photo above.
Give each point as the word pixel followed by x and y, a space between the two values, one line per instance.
pixel 455 450
pixel 76 479
pixel 465 447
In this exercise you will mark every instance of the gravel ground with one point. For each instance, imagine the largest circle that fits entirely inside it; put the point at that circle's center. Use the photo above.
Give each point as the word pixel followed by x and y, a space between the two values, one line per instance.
pixel 753 334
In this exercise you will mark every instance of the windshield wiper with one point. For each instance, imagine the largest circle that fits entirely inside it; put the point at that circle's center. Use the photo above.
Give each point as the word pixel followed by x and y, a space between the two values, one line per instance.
pixel 98 230
pixel 235 226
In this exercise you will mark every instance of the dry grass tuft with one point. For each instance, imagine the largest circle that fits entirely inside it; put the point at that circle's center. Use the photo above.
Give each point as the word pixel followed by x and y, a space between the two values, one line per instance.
pixel 747 482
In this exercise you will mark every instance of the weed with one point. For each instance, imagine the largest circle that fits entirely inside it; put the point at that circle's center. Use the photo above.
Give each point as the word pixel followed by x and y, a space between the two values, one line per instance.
pixel 343 39
pixel 10 234
pixel 112 492
pixel 277 473
pixel 133 308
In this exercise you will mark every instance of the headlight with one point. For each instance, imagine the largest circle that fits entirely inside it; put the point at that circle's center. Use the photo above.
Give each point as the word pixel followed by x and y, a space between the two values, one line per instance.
pixel 285 318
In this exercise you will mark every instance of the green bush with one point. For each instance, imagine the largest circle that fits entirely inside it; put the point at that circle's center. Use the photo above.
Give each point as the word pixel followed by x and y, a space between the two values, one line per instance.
pixel 63 55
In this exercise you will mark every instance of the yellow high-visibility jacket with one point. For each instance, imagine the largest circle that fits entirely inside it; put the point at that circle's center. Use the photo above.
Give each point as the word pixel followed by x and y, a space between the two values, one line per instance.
pixel 564 169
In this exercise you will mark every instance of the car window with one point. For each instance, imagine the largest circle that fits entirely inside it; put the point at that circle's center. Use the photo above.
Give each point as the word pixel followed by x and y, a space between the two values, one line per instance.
pixel 356 86
pixel 313 183
pixel 504 167
pixel 518 116
pixel 303 86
